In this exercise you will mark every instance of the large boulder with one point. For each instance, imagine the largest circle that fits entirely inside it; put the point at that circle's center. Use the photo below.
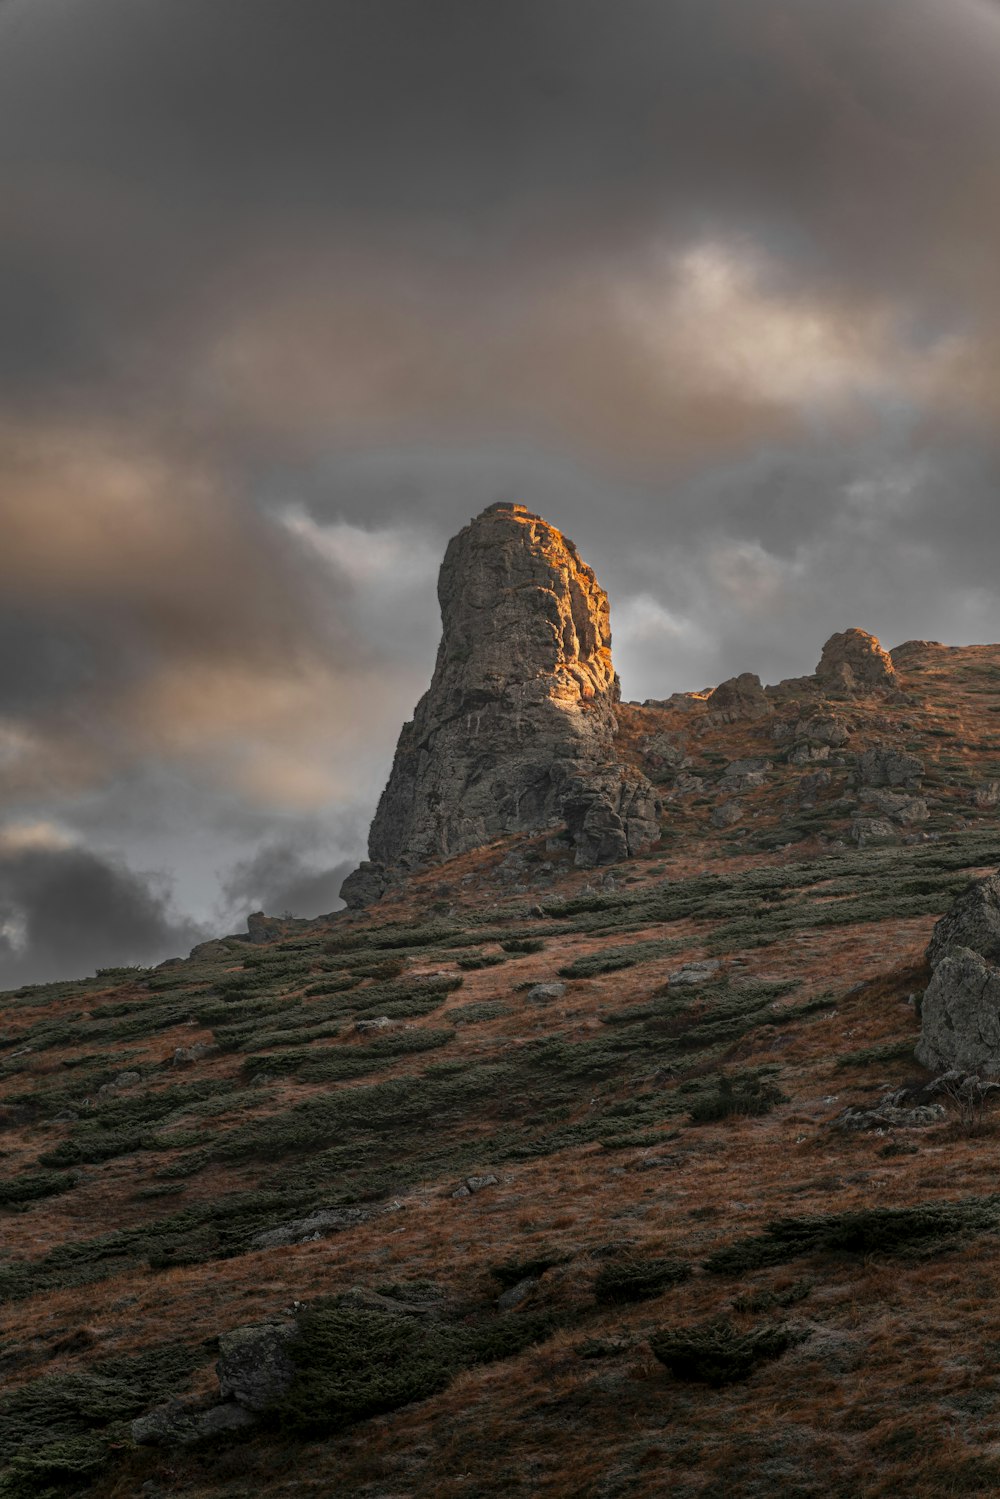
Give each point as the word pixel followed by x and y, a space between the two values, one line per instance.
pixel 254 1367
pixel 973 922
pixel 884 765
pixel 365 885
pixel 738 700
pixel 960 1015
pixel 854 661
pixel 611 817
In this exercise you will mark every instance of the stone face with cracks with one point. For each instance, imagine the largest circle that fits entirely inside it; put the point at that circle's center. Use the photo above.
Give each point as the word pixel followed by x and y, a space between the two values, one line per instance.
pixel 854 661
pixel 516 731
pixel 960 1015
pixel 973 921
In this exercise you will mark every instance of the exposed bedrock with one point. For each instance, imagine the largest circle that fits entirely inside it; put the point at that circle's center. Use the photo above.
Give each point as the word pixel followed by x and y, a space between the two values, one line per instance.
pixel 516 732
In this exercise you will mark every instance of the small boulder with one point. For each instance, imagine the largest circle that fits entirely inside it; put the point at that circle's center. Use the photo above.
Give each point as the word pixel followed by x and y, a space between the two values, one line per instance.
pixel 701 971
pixel 181 1424
pixel 726 814
pixel 866 830
pixel 318 1225
pixel 261 928
pixel 660 752
pixel 186 1056
pixel 895 805
pixel 474 1184
pixel 745 775
pixel 215 948
pixel 544 994
pixel 514 1295
pixel 123 1081
pixel 890 1116
pixel 987 794
pixel 830 731
pixel 379 1023
pixel 365 885
pixel 808 754
pixel 687 785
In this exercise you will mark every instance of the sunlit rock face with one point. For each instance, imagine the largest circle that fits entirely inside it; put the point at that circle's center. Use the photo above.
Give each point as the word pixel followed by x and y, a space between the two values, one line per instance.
pixel 854 661
pixel 520 710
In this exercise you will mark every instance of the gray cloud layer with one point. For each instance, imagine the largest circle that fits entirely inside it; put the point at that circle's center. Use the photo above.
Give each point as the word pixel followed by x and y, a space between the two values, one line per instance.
pixel 289 290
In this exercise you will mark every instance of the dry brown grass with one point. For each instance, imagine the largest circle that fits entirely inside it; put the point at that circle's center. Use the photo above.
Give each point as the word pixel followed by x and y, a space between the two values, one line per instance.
pixel 894 1389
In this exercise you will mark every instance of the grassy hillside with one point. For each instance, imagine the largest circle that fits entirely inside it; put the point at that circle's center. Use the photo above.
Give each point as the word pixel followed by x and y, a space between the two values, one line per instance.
pixel 599 1237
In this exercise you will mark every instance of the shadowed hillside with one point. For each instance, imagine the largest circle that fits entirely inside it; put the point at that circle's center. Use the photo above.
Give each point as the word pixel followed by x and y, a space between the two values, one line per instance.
pixel 540 1176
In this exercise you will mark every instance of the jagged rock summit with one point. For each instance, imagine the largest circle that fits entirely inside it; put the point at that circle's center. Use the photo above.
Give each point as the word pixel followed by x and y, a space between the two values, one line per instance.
pixel 853 661
pixel 516 731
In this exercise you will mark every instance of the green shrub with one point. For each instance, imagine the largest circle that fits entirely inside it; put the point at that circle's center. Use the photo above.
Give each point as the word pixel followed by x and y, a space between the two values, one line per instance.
pixel 30 1186
pixel 55 1431
pixel 717 1353
pixel 925 1229
pixel 638 1279
pixel 355 1362
pixel 736 1097
pixel 482 1009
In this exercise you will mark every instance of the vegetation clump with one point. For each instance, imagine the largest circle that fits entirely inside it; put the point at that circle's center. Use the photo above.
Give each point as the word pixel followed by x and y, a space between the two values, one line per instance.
pixel 926 1229
pixel 639 1279
pixel 354 1361
pixel 741 1097
pixel 717 1353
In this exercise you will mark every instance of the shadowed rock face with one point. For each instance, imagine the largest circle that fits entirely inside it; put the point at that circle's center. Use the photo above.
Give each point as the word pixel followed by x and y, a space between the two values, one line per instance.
pixel 519 716
pixel 960 1012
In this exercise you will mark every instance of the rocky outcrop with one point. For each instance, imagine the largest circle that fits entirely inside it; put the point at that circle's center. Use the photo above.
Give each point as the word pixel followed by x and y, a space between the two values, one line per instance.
pixel 973 922
pixel 365 885
pixel 884 766
pixel 610 817
pixel 895 805
pixel 516 731
pixel 254 1367
pixel 854 661
pixel 960 1015
pixel 960 1010
pixel 739 700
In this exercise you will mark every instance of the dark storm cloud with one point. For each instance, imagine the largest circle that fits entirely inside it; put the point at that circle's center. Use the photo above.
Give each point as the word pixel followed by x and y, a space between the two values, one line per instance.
pixel 289 289
pixel 65 911
pixel 176 163
pixel 280 878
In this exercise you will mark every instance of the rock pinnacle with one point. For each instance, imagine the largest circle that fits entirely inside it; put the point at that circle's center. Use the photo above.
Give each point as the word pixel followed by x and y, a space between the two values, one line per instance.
pixel 516 731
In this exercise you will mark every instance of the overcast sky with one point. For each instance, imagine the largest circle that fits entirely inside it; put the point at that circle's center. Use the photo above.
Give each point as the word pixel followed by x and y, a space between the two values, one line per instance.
pixel 290 289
